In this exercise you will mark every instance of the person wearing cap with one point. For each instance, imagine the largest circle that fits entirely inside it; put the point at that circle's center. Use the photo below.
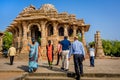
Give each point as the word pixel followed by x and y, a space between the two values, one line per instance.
pixel 77 50
pixel 34 54
pixel 65 50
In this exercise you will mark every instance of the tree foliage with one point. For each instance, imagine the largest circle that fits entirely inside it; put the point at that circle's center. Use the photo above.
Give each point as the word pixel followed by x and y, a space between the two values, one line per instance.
pixel 79 37
pixel 107 45
pixel 111 47
pixel 115 50
pixel 92 43
pixel 7 40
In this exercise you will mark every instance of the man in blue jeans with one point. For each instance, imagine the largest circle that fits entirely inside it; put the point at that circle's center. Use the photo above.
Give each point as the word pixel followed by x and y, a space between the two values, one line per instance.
pixel 77 50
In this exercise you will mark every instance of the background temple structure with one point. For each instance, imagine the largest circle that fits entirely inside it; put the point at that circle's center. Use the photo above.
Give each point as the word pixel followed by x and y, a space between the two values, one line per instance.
pixel 98 45
pixel 45 24
pixel 1 40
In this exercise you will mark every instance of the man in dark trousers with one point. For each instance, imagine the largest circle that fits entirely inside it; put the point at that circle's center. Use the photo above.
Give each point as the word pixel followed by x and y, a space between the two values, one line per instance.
pixel 77 50
pixel 12 53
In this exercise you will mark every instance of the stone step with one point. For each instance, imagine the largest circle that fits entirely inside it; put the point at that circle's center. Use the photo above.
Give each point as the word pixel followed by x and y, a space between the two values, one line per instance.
pixel 48 78
pixel 53 74
pixel 69 76
pixel 66 78
pixel 73 74
pixel 112 75
pixel 100 78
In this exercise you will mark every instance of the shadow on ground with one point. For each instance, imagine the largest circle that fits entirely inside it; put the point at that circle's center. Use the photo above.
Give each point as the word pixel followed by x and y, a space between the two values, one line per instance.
pixel 23 67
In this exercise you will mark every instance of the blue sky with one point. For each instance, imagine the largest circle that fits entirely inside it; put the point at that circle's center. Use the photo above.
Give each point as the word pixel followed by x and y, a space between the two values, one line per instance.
pixel 102 15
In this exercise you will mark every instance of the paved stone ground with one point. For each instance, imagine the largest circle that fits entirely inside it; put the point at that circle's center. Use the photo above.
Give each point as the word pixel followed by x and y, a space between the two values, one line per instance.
pixel 10 72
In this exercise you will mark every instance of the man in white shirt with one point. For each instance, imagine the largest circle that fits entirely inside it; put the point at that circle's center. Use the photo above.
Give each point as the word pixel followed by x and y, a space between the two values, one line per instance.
pixel 11 53
pixel 92 54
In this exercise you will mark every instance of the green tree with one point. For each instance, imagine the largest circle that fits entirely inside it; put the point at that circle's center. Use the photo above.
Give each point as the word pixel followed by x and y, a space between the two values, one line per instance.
pixel 107 46
pixel 92 43
pixel 7 40
pixel 115 48
pixel 79 37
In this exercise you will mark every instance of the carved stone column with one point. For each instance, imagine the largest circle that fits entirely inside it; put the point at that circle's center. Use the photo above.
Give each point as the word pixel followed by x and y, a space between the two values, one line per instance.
pixel 98 45
pixel 24 39
pixel 83 36
pixel 55 41
pixel 20 37
pixel 43 37
pixel 74 30
pixel 65 30
pixel 95 39
pixel 83 39
pixel 13 41
pixel 29 35
pixel 16 38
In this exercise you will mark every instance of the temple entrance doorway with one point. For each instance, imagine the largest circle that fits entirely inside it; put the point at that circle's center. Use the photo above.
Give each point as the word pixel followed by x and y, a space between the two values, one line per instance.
pixel 35 33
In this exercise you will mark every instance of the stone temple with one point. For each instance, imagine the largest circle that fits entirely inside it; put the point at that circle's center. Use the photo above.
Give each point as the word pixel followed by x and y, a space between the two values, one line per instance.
pixel 45 24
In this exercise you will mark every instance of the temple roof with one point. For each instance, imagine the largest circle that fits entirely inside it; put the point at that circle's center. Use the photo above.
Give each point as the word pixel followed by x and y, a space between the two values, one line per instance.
pixel 48 12
pixel 29 8
pixel 48 7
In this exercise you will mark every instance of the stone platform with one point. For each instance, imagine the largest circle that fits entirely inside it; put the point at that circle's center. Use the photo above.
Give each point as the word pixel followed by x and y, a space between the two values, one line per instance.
pixel 103 67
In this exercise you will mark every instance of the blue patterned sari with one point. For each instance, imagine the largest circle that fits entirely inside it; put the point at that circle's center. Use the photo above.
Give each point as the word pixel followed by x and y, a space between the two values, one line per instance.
pixel 33 57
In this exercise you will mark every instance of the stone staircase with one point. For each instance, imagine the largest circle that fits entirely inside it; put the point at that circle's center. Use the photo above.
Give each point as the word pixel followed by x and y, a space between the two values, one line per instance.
pixel 100 76
pixel 68 76
pixel 48 76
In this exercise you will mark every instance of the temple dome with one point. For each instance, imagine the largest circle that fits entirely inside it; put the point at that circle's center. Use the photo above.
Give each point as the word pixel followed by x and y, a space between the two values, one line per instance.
pixel 48 7
pixel 29 8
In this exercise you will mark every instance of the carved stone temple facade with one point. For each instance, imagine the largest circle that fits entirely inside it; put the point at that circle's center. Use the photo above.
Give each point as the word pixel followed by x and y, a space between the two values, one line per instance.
pixel 45 24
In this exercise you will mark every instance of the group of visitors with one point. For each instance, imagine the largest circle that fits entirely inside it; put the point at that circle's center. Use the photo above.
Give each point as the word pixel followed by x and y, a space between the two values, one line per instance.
pixel 64 51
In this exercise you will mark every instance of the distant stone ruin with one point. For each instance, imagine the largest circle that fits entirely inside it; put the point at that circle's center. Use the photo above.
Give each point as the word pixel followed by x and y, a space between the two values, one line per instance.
pixel 98 46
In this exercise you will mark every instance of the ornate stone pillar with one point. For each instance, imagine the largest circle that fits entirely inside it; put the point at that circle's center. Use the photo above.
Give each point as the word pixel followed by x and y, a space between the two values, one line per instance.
pixel 83 36
pixel 24 39
pixel 65 30
pixel 43 37
pixel 98 45
pixel 83 39
pixel 13 42
pixel 16 38
pixel 29 35
pixel 95 39
pixel 19 39
pixel 74 30
pixel 55 35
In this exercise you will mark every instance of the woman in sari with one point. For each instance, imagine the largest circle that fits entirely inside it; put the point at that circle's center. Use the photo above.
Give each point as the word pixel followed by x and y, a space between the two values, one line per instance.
pixel 34 54
pixel 50 55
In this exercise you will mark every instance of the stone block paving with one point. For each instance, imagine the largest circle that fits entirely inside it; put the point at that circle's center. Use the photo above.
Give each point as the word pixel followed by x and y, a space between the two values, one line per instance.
pixel 10 72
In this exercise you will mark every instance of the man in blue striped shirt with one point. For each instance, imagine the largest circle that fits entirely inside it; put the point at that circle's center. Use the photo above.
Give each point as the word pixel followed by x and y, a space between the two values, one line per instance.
pixel 77 50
